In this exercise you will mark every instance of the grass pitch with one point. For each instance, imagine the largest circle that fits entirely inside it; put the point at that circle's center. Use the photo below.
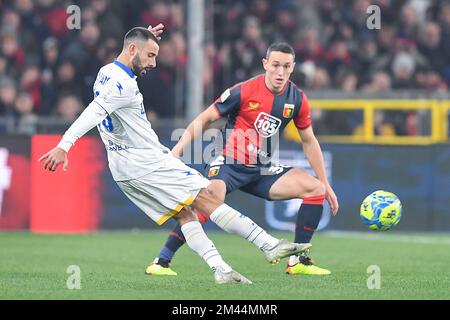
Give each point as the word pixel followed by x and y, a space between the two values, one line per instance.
pixel 412 266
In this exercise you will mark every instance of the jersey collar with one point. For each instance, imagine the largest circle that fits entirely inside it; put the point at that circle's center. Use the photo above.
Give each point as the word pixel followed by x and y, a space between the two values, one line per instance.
pixel 124 68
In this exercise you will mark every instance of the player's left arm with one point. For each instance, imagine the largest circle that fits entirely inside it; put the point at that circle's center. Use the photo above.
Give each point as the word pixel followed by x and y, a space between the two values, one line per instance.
pixel 313 152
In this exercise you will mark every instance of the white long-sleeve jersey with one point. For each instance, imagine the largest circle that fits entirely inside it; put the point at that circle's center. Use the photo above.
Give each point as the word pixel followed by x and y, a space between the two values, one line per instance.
pixel 118 112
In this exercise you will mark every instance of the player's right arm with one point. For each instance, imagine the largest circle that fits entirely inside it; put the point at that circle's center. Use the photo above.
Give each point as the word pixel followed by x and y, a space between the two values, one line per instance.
pixel 226 103
pixel 91 116
pixel 112 97
pixel 195 128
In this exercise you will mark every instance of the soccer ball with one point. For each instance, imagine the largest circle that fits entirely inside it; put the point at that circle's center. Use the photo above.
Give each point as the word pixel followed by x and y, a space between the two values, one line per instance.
pixel 381 210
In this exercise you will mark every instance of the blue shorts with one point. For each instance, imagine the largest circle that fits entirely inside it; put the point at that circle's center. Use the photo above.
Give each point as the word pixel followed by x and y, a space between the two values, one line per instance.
pixel 253 179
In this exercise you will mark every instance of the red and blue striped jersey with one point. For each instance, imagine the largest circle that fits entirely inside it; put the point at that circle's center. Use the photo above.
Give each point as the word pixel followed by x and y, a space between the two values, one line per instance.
pixel 256 116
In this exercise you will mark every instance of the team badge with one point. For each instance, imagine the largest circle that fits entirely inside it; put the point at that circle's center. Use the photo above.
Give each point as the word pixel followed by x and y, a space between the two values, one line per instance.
pixel 252 105
pixel 288 110
pixel 214 171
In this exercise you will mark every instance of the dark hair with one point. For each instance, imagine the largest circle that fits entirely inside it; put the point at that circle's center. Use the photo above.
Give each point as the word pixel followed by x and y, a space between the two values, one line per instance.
pixel 281 47
pixel 138 33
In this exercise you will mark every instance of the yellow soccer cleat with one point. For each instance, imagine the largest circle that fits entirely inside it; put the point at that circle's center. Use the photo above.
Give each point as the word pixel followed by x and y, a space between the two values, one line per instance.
pixel 304 265
pixel 158 270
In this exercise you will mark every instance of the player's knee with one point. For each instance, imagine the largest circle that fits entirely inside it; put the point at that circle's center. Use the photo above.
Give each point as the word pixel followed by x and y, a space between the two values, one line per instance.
pixel 185 216
pixel 315 188
pixel 218 189
pixel 320 188
pixel 205 201
pixel 207 194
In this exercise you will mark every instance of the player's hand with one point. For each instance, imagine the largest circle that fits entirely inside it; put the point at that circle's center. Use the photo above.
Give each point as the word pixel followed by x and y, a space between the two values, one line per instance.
pixel 157 30
pixel 332 199
pixel 176 152
pixel 53 158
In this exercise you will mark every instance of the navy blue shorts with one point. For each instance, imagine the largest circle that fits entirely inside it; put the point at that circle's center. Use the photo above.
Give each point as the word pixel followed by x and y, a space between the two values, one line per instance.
pixel 254 179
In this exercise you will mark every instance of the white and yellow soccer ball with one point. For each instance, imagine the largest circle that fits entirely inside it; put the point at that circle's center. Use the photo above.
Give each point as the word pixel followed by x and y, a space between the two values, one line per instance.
pixel 381 210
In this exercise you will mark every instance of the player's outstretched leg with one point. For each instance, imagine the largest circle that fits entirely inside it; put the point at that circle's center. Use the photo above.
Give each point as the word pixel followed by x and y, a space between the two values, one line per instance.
pixel 308 219
pixel 160 266
pixel 233 221
pixel 199 242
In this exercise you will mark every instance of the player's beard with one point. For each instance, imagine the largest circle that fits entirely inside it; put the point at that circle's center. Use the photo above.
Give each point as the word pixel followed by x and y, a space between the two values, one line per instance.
pixel 137 67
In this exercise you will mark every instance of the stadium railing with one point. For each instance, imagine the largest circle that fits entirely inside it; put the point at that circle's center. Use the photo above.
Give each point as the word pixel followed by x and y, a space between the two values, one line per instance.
pixel 438 118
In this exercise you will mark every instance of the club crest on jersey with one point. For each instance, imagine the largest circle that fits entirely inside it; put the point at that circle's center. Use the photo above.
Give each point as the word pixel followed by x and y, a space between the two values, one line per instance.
pixel 252 105
pixel 288 110
pixel 214 171
pixel 266 125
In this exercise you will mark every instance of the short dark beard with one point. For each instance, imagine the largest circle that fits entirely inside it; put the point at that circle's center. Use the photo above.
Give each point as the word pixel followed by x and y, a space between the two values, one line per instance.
pixel 136 65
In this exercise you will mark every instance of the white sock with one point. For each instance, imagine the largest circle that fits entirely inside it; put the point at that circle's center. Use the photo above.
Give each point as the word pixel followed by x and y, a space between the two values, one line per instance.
pixel 198 241
pixel 232 221
pixel 293 260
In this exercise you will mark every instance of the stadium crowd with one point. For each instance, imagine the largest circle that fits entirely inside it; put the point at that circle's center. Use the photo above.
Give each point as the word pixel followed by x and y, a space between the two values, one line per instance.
pixel 48 69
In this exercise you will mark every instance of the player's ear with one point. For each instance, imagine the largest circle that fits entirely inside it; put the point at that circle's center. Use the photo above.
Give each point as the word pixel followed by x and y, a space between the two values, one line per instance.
pixel 292 66
pixel 264 63
pixel 132 49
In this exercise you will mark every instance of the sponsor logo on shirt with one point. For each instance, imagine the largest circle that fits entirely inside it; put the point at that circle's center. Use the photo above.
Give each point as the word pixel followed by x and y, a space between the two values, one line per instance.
pixel 267 125
pixel 252 105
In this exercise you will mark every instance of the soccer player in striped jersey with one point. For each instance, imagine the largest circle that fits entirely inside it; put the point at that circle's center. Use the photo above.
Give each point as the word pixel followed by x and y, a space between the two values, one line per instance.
pixel 256 111
pixel 150 176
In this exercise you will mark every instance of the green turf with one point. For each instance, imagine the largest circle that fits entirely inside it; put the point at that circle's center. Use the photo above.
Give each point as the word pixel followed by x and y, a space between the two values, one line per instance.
pixel 112 267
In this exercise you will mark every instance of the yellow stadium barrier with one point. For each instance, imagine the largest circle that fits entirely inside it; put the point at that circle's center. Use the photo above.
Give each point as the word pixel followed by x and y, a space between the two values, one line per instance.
pixel 438 117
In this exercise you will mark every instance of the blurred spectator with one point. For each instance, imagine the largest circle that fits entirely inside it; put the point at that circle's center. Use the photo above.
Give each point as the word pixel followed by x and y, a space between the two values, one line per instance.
pixel 160 84
pixel 408 22
pixel 157 12
pixel 285 21
pixel 33 29
pixel 380 82
pixel 365 57
pixel 385 38
pixel 402 68
pixel 334 49
pixel 66 79
pixel 12 51
pixel 248 51
pixel 430 45
pixel 348 82
pixel 3 66
pixel 109 23
pixel 55 16
pixel 25 121
pixel 8 95
pixel 31 81
pixel 83 52
pixel 261 10
pixel 338 58
pixel 307 46
pixel 69 107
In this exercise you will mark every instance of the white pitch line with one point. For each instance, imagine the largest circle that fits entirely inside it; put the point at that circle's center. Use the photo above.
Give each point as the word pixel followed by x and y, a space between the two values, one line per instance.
pixel 382 236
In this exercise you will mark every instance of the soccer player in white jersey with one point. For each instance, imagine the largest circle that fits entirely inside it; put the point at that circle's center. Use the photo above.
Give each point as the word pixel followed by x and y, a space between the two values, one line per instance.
pixel 145 170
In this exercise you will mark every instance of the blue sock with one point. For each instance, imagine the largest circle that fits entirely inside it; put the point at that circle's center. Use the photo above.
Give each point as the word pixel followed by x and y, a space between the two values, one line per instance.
pixel 173 243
